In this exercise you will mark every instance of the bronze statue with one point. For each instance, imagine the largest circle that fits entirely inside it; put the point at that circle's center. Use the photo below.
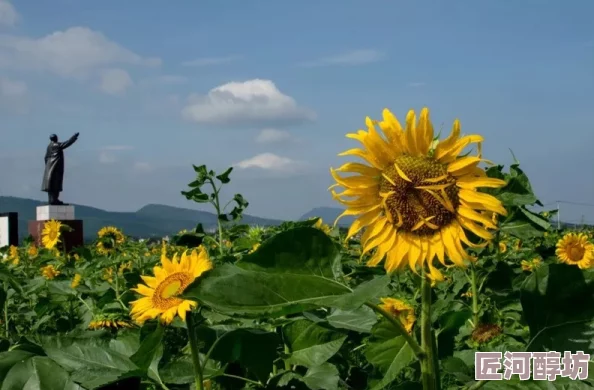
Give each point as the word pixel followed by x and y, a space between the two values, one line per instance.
pixel 54 168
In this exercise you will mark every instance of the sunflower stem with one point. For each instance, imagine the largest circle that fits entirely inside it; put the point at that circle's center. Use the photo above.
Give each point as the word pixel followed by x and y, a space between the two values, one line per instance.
pixel 429 368
pixel 474 290
pixel 414 345
pixel 194 350
pixel 6 318
pixel 217 205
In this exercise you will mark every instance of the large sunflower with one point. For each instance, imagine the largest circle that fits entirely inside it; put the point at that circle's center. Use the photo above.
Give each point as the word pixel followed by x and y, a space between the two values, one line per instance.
pixel 160 294
pixel 50 235
pixel 109 238
pixel 575 249
pixel 416 196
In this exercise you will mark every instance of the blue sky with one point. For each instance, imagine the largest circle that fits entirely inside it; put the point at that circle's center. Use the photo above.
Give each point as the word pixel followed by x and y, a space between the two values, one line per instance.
pixel 272 87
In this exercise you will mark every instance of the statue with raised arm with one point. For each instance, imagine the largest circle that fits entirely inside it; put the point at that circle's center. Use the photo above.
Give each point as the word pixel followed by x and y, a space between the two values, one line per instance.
pixel 54 168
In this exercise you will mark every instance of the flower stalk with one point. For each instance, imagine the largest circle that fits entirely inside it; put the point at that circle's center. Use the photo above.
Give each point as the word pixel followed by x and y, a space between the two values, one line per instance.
pixel 429 368
pixel 198 376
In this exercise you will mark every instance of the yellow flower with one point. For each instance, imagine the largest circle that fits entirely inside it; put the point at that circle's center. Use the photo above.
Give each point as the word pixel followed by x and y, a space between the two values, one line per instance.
pixel 50 235
pixel 575 249
pixel 76 281
pixel 125 267
pixel 106 323
pixel 160 294
pixel 227 243
pixel 467 294
pixel 76 257
pixel 109 238
pixel 147 254
pixel 49 272
pixel 502 247
pixel 531 265
pixel 401 311
pixel 415 203
pixel 518 245
pixel 13 251
pixel 254 248
pixel 32 251
pixel 108 275
pixel 322 226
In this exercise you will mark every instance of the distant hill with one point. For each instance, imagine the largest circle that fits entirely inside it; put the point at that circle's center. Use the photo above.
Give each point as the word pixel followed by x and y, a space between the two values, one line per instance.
pixel 329 215
pixel 153 220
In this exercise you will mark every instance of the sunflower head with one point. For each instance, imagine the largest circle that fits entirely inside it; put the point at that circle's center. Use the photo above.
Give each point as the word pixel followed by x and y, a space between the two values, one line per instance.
pixel 160 292
pixel 104 321
pixel 33 251
pixel 401 310
pixel 49 272
pixel 254 248
pixel 530 266
pixel 485 333
pixel 502 247
pixel 109 238
pixel 575 249
pixel 322 226
pixel 415 198
pixel 50 235
pixel 76 281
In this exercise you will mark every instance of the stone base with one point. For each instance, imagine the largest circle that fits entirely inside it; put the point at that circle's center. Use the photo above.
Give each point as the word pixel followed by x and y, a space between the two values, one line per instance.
pixel 9 229
pixel 69 240
pixel 59 213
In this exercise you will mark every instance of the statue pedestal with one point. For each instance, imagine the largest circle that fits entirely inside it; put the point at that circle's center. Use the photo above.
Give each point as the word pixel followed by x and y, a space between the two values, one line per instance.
pixel 65 215
pixel 9 229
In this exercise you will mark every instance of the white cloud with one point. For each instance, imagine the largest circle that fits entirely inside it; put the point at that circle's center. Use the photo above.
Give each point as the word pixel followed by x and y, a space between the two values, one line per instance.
pixel 251 102
pixel 351 58
pixel 72 53
pixel 417 84
pixel 107 158
pixel 269 161
pixel 13 96
pixel 209 61
pixel 271 136
pixel 8 15
pixel 115 81
pixel 12 88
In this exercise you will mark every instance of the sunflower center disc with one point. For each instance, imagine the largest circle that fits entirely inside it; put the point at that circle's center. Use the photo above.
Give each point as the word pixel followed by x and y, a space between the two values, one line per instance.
pixel 168 289
pixel 415 205
pixel 576 253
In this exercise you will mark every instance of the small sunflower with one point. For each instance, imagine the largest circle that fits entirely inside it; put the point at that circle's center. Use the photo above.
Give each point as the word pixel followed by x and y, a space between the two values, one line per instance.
pixel 107 275
pixel 125 267
pixel 322 226
pixel 575 249
pixel 531 265
pixel 109 238
pixel 485 333
pixel 106 322
pixel 76 281
pixel 160 294
pixel 50 235
pixel 401 310
pixel 467 294
pixel 32 252
pixel 502 247
pixel 415 198
pixel 49 272
pixel 254 248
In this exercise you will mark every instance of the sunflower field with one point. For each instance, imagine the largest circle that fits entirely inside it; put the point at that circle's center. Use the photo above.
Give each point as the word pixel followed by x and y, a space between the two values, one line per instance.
pixel 444 259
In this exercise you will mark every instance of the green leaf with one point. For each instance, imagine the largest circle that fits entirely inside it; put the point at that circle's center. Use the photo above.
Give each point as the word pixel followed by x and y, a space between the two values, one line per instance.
pixel 311 344
pixel 93 367
pixel 291 272
pixel 181 371
pixel 360 320
pixel 450 324
pixel 367 291
pixel 224 177
pixel 390 356
pixel 322 377
pixel 149 348
pixel 38 373
pixel 10 358
pixel 558 306
pixel 253 349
